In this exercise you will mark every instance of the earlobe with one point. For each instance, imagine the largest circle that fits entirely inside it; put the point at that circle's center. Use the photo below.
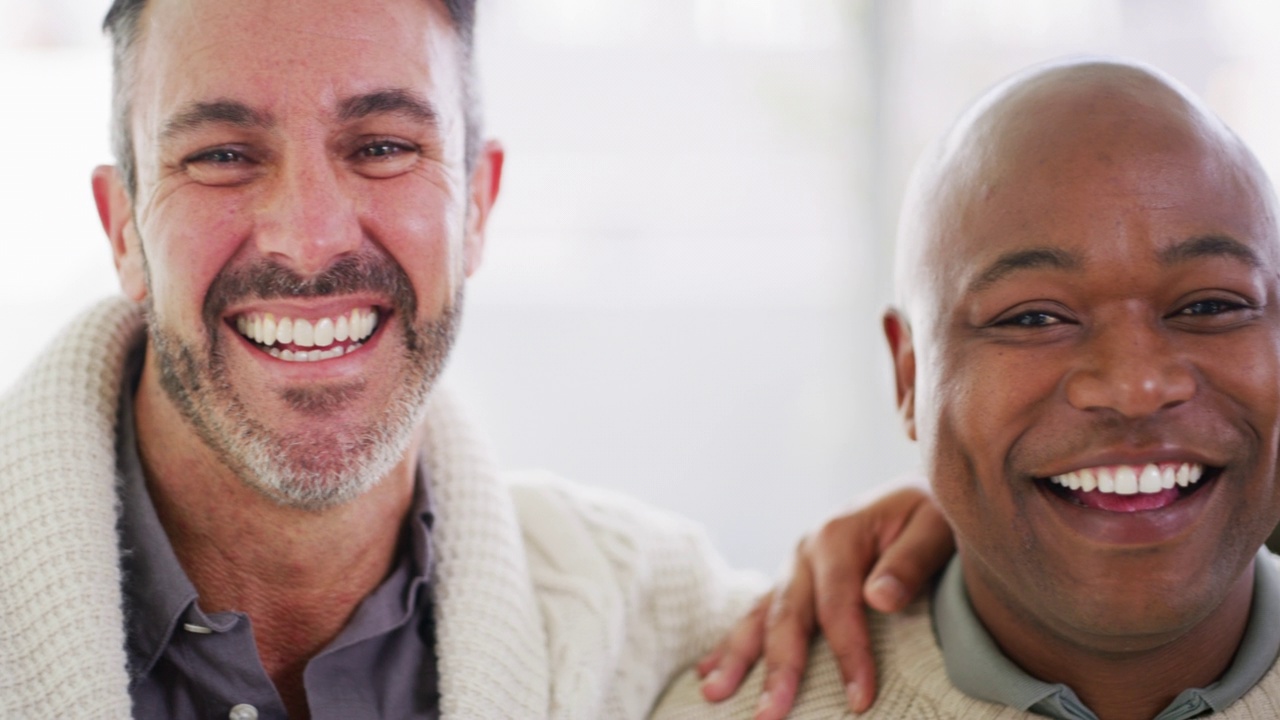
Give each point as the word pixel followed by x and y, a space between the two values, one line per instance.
pixel 115 211
pixel 485 181
pixel 898 332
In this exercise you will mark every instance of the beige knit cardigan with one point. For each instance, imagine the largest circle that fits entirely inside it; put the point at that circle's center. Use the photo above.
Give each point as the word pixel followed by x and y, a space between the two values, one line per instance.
pixel 550 600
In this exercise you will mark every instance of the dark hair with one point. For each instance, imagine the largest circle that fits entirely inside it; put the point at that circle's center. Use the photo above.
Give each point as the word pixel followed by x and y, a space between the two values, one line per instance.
pixel 122 26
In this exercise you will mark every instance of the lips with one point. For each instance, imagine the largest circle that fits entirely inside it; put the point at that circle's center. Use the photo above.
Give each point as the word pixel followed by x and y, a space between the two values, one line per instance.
pixel 308 339
pixel 1129 488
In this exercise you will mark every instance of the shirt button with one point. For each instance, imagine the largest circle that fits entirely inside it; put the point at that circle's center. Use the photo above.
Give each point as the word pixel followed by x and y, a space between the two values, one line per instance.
pixel 243 711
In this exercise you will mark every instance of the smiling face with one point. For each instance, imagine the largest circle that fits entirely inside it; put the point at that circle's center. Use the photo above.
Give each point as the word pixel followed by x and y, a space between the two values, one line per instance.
pixel 301 231
pixel 1092 364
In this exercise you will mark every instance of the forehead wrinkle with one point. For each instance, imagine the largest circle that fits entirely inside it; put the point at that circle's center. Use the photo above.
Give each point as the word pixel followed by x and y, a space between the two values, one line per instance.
pixel 1209 246
pixel 1015 261
pixel 195 115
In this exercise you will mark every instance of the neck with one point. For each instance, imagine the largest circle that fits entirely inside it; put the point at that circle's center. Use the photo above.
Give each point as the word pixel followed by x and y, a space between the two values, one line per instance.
pixel 298 574
pixel 1121 678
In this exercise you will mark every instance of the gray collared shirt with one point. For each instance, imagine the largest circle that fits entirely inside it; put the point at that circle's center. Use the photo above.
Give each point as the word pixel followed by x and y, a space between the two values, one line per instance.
pixel 978 668
pixel 184 663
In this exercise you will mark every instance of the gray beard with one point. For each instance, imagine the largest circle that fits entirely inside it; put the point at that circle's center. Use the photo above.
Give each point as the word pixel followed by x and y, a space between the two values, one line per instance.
pixel 305 470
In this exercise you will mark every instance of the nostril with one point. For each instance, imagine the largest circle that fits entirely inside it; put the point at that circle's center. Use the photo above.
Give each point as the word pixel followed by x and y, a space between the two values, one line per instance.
pixel 1132 391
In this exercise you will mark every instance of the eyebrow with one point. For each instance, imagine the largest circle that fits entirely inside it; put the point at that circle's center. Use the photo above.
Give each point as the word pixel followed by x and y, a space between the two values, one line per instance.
pixel 394 101
pixel 1030 259
pixel 1209 246
pixel 196 115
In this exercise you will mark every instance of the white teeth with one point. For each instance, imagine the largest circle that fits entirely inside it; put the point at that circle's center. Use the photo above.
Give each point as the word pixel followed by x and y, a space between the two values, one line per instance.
pixel 1126 481
pixel 1131 480
pixel 1106 481
pixel 268 329
pixel 1150 481
pixel 303 333
pixel 326 335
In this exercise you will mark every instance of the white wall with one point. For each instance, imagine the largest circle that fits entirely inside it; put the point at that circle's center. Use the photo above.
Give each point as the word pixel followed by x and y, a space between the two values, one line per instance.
pixel 681 291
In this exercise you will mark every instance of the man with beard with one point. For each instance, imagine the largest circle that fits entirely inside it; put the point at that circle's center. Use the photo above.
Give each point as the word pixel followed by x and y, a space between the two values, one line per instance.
pixel 1087 348
pixel 251 444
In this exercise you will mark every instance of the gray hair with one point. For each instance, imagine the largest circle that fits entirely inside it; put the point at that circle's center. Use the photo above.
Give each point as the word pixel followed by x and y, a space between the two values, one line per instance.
pixel 122 26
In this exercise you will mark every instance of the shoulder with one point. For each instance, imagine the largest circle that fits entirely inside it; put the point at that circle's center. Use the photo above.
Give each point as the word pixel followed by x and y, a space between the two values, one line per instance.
pixel 569 527
pixel 628 591
pixel 1262 700
pixel 910 674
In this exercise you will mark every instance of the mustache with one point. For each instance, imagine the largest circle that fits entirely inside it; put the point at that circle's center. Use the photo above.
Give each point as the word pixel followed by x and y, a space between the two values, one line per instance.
pixel 1198 431
pixel 270 280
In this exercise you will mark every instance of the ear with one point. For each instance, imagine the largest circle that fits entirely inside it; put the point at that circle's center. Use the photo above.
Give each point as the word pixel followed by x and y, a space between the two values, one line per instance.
pixel 115 210
pixel 486 179
pixel 898 332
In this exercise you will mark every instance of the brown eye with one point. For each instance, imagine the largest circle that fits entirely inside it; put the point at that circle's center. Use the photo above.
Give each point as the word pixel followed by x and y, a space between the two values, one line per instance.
pixel 1031 320
pixel 1210 307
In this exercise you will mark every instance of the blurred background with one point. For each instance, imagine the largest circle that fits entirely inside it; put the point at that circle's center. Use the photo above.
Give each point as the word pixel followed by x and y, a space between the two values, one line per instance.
pixel 682 286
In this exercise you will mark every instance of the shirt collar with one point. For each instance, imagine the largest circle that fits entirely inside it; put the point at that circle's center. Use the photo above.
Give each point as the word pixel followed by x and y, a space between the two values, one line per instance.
pixel 977 668
pixel 158 593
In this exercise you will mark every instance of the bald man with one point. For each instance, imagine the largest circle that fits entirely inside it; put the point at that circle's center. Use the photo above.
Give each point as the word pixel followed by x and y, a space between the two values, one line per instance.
pixel 1087 349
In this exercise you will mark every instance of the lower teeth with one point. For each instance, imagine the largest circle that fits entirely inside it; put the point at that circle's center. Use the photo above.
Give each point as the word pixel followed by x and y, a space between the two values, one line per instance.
pixel 311 355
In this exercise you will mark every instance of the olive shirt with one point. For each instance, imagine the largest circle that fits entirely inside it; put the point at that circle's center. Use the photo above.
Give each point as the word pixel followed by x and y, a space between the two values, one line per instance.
pixel 184 663
pixel 978 668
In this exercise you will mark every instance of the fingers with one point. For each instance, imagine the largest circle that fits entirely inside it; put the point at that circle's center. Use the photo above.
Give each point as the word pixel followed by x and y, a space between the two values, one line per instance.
pixel 723 669
pixel 841 554
pixel 909 558
pixel 786 643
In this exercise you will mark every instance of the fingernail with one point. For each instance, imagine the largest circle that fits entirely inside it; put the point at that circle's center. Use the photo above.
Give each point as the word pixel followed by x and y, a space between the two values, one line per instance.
pixel 888 589
pixel 853 692
pixel 765 702
pixel 712 678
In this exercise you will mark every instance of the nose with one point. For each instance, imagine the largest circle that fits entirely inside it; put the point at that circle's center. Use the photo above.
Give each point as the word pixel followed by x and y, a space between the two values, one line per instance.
pixel 308 219
pixel 1133 371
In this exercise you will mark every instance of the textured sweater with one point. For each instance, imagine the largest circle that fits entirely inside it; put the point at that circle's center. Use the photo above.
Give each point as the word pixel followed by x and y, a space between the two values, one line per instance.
pixel 913 685
pixel 550 599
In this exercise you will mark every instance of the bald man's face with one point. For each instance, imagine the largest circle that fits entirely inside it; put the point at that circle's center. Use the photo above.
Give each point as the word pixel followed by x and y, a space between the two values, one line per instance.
pixel 1094 377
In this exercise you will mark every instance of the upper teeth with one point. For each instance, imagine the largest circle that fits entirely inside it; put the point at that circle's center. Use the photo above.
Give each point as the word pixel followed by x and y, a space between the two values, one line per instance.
pixel 267 329
pixel 1131 479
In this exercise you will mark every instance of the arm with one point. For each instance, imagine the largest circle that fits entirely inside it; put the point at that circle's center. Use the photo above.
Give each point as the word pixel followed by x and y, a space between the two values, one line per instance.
pixel 880 555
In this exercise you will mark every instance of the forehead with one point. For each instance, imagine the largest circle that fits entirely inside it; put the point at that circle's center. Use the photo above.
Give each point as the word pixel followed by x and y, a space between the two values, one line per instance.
pixel 1113 188
pixel 270 55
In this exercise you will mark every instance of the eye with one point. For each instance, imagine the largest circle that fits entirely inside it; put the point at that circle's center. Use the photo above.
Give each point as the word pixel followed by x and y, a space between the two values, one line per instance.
pixel 385 158
pixel 1210 307
pixel 385 149
pixel 1215 314
pixel 220 156
pixel 220 166
pixel 1032 319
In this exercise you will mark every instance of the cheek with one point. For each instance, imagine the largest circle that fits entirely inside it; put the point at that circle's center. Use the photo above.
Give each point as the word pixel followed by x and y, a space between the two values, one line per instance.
pixel 423 232
pixel 188 240
pixel 983 397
